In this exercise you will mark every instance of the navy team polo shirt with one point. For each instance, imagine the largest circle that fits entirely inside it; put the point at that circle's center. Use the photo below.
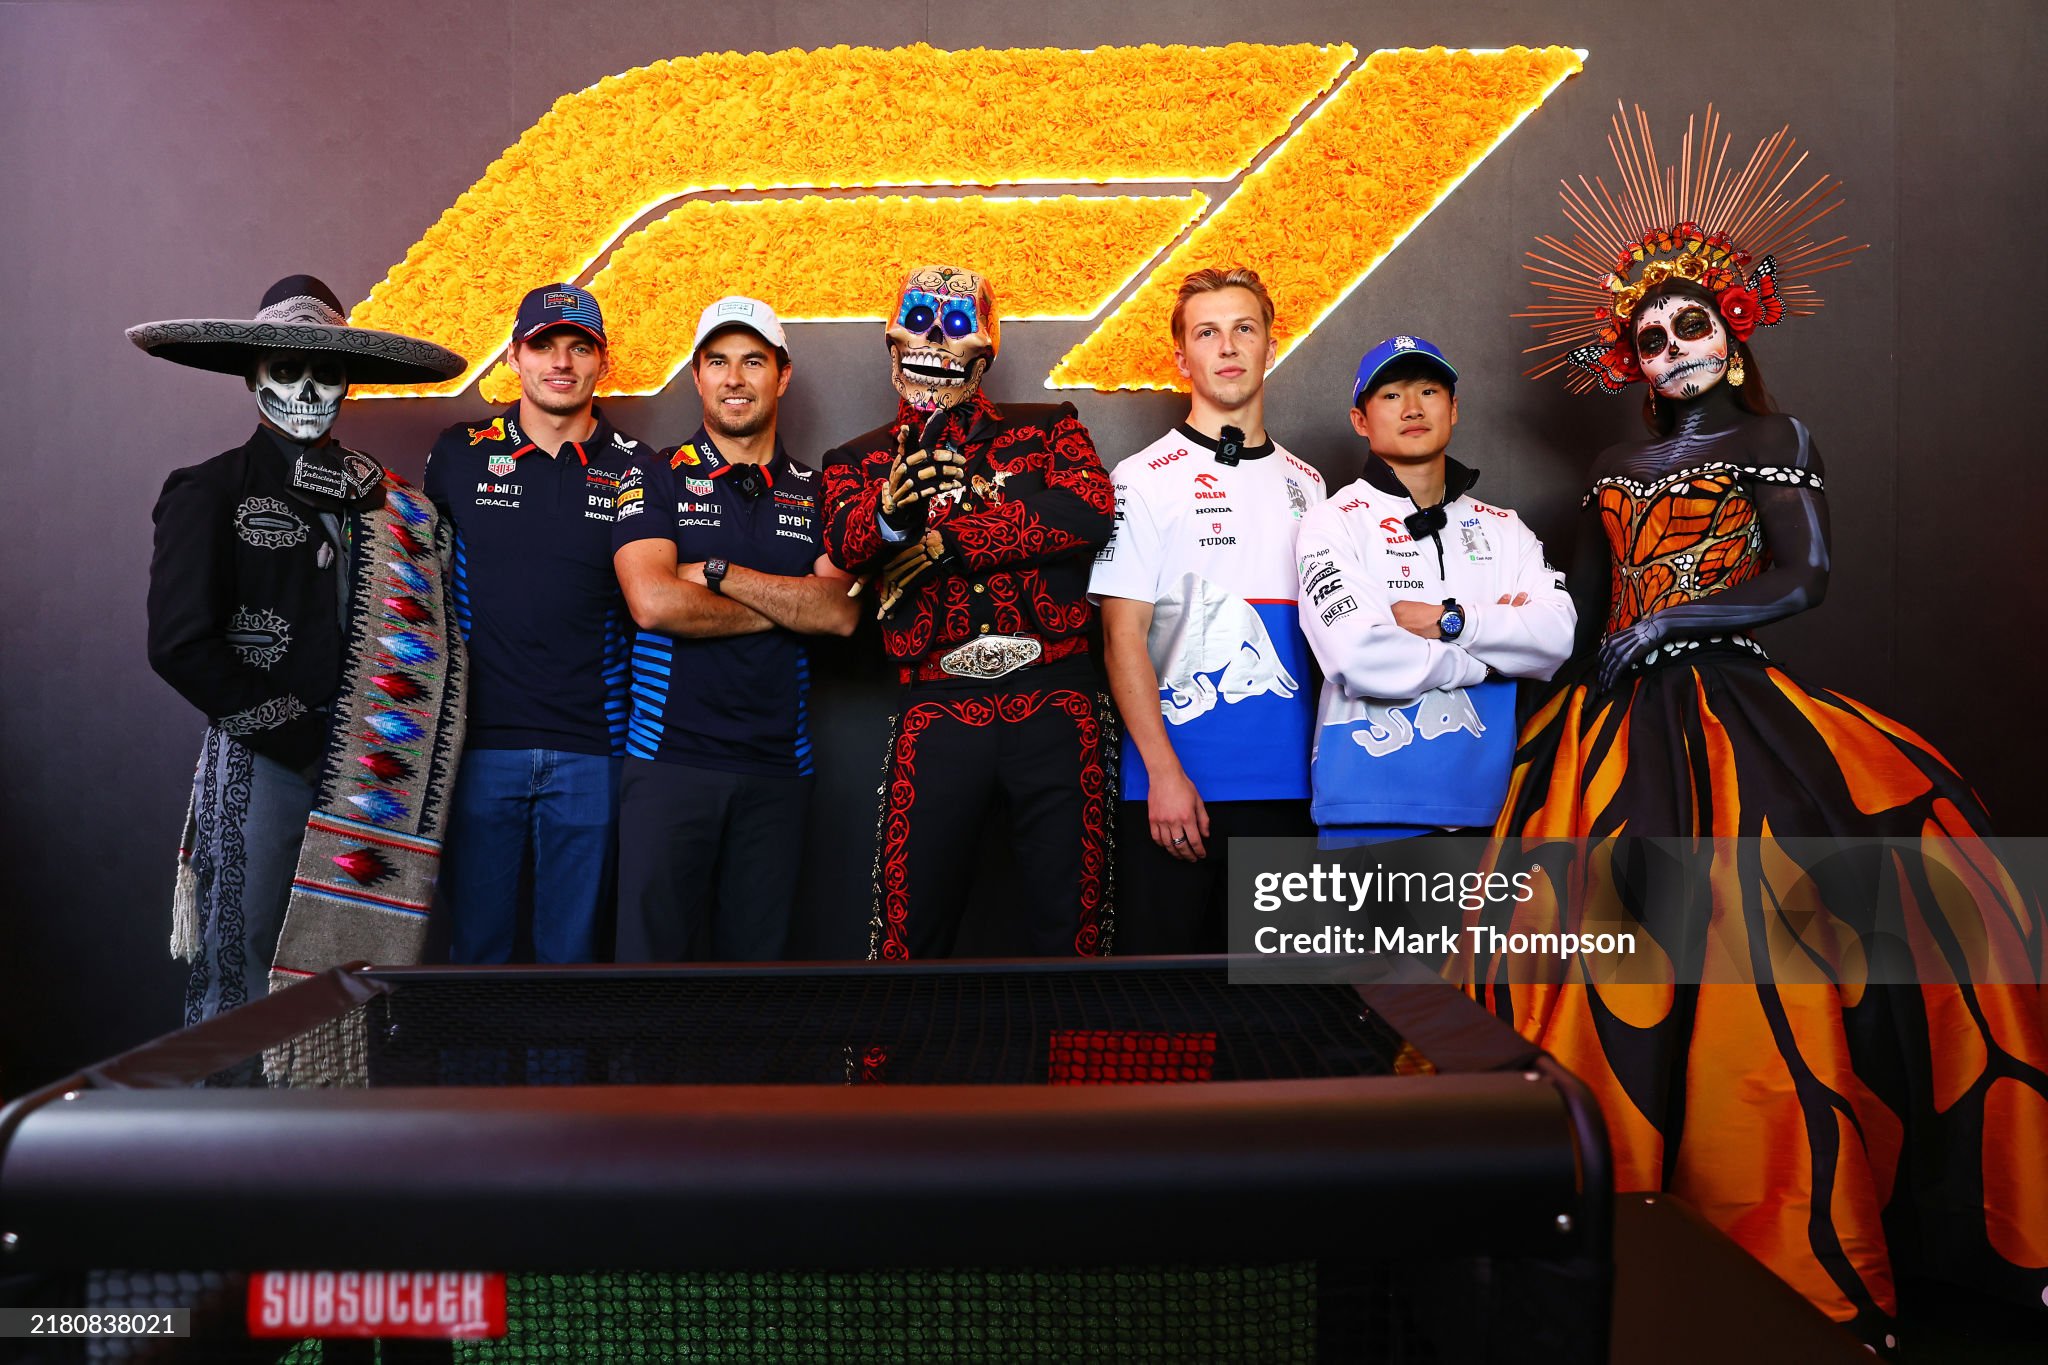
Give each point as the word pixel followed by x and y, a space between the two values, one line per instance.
pixel 736 704
pixel 535 595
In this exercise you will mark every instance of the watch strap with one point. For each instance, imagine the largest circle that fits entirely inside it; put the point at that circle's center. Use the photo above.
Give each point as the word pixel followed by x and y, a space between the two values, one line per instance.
pixel 1451 620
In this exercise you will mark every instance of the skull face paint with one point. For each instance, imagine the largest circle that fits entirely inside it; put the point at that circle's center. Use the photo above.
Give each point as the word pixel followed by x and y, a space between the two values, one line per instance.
pixel 1682 346
pixel 942 337
pixel 299 392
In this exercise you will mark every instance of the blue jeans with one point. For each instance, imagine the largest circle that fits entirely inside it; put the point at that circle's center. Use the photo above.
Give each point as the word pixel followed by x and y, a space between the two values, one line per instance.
pixel 565 809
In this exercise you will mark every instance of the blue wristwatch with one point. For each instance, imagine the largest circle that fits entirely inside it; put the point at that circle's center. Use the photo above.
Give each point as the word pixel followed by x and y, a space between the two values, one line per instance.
pixel 1451 624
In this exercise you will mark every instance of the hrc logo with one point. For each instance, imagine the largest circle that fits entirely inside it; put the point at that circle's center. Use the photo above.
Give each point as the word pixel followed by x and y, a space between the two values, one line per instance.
pixel 1326 164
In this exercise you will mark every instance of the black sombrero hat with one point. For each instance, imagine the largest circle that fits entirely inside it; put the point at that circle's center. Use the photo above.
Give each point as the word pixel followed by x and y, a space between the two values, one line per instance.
pixel 298 313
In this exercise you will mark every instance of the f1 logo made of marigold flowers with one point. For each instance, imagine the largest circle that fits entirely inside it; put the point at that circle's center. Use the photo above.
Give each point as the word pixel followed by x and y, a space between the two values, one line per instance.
pixel 632 185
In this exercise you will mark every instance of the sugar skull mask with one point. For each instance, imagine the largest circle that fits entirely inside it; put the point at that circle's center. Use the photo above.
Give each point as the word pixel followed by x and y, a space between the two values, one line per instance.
pixel 1682 346
pixel 942 336
pixel 300 392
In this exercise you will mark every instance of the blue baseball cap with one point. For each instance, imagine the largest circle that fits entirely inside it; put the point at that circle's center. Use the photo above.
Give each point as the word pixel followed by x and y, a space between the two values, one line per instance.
pixel 557 305
pixel 1391 350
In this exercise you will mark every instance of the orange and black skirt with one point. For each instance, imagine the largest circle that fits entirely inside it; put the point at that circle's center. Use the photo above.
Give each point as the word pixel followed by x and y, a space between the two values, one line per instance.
pixel 1843 1132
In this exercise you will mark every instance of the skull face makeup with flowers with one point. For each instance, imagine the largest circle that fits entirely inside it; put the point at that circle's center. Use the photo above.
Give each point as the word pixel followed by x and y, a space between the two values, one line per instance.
pixel 1681 345
pixel 942 337
pixel 299 392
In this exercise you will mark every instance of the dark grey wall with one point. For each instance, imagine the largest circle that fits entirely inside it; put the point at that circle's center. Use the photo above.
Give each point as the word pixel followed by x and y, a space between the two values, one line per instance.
pixel 164 160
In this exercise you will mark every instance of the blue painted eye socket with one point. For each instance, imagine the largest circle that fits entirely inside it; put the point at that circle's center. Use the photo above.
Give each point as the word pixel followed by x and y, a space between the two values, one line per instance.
pixel 920 310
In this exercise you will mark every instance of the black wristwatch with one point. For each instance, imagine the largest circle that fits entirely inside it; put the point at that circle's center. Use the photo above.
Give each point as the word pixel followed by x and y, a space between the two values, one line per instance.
pixel 1451 624
pixel 714 575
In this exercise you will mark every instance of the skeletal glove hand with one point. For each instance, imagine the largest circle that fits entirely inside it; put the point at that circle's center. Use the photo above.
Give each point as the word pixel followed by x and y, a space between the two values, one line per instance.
pixel 1627 647
pixel 915 476
pixel 897 576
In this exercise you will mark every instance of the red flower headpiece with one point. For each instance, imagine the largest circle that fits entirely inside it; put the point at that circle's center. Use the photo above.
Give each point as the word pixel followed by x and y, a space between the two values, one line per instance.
pixel 1624 248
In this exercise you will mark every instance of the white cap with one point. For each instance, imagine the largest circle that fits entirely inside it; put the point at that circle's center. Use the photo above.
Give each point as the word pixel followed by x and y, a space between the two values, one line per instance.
pixel 736 310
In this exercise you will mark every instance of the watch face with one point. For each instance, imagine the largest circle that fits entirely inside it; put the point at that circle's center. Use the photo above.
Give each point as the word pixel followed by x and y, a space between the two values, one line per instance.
pixel 1451 623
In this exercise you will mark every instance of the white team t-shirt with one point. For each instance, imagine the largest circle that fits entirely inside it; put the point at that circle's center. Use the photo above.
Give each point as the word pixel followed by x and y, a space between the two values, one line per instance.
pixel 1211 547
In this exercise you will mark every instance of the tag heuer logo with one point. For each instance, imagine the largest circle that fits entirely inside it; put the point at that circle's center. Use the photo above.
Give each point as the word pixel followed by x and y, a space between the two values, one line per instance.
pixel 699 488
pixel 501 465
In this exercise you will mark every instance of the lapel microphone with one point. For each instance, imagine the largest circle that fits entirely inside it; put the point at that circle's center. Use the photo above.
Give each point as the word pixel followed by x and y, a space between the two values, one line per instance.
pixel 1232 448
pixel 1427 522
pixel 747 480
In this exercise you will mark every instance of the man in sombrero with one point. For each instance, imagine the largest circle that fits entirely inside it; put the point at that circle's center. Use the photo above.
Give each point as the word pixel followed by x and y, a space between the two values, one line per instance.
pixel 298 597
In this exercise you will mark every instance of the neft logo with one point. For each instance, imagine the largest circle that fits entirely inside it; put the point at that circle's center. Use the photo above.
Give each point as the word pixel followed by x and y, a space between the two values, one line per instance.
pixel 435 1304
pixel 1313 118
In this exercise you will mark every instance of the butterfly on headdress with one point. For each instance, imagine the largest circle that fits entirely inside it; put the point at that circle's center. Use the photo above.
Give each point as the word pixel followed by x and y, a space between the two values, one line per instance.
pixel 1626 245
pixel 1754 304
pixel 1611 363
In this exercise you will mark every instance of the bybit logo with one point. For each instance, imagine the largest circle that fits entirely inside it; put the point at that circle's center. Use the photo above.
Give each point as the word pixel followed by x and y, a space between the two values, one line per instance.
pixel 1324 166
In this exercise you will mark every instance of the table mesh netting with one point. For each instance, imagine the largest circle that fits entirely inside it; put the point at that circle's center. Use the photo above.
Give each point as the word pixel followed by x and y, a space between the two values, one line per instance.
pixel 1163 1024
pixel 866 1027
pixel 1267 1313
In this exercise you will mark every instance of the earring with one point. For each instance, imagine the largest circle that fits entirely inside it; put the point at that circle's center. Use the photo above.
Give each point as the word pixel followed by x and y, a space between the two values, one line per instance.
pixel 1736 374
pixel 1653 405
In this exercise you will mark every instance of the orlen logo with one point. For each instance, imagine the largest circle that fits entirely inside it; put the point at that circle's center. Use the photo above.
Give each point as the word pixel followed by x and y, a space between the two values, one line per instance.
pixel 1325 165
pixel 1206 480
pixel 1397 533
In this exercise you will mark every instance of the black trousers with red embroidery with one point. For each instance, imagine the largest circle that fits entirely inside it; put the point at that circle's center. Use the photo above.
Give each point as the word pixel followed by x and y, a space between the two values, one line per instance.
pixel 1036 741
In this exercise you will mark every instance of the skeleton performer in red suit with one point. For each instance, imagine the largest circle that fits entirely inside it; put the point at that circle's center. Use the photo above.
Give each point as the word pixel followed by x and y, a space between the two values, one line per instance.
pixel 975 527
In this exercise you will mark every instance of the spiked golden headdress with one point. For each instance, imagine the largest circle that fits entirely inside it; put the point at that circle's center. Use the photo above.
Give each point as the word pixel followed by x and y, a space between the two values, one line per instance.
pixel 1703 220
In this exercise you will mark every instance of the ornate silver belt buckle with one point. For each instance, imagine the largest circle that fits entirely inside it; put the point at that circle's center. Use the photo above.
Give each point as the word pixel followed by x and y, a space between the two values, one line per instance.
pixel 991 656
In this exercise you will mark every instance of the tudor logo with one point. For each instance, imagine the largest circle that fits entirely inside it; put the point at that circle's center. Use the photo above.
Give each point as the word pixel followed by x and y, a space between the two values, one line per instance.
pixel 659 191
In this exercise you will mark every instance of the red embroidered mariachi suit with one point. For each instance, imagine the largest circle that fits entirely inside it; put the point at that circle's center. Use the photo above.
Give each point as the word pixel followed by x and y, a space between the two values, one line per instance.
pixel 1020 540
